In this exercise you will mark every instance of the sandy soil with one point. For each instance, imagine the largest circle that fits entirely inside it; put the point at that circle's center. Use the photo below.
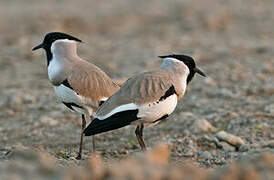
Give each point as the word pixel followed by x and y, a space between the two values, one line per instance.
pixel 232 41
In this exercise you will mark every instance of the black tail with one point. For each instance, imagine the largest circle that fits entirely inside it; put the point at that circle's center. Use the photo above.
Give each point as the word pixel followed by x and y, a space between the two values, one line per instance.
pixel 113 122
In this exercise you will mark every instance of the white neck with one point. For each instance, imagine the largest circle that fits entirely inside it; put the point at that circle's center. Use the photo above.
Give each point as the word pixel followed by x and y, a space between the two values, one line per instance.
pixel 64 48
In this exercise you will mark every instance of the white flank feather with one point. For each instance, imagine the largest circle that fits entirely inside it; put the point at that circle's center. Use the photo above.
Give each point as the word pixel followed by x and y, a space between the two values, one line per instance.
pixel 153 111
pixel 67 95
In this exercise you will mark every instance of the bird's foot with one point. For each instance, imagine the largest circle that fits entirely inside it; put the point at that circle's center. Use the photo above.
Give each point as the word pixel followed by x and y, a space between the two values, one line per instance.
pixel 79 157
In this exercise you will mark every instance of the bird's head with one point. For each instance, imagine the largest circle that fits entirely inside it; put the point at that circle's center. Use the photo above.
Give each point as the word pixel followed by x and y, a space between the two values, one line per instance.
pixel 51 37
pixel 189 62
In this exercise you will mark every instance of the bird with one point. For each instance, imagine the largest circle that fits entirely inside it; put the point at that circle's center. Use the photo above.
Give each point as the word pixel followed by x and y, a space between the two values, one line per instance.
pixel 146 98
pixel 79 85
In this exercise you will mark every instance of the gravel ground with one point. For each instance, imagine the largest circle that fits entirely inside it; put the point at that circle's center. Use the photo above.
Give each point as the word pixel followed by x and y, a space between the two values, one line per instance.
pixel 232 41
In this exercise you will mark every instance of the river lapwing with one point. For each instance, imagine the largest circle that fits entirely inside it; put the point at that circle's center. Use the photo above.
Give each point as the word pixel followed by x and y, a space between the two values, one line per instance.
pixel 146 98
pixel 78 84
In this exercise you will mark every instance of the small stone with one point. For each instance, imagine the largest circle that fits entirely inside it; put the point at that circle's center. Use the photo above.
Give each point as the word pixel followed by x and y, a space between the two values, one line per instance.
pixel 232 115
pixel 269 108
pixel 227 147
pixel 243 148
pixel 225 93
pixel 15 100
pixel 210 81
pixel 204 155
pixel 203 126
pixel 3 101
pixel 29 99
pixel 269 144
pixel 48 120
pixel 188 152
pixel 230 138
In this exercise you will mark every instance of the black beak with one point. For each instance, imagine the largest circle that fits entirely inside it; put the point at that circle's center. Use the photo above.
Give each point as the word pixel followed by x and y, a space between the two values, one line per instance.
pixel 197 70
pixel 38 47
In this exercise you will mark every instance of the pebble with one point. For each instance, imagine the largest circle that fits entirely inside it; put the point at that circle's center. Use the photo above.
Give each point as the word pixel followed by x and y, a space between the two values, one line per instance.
pixel 3 100
pixel 203 126
pixel 269 108
pixel 204 155
pixel 227 147
pixel 225 93
pixel 48 120
pixel 189 151
pixel 269 144
pixel 210 81
pixel 230 138
pixel 29 99
pixel 244 148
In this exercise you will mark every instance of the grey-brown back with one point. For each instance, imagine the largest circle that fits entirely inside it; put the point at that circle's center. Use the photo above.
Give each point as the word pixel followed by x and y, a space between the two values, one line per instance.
pixel 142 89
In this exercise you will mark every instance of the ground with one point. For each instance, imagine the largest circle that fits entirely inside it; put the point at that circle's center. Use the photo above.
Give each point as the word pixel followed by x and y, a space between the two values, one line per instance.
pixel 231 41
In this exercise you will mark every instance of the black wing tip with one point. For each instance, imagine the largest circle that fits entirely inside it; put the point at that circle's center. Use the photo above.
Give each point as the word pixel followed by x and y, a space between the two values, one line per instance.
pixel 113 122
pixel 89 130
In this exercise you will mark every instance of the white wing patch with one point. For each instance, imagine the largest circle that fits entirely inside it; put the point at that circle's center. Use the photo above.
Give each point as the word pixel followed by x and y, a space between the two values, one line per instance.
pixel 104 99
pixel 121 108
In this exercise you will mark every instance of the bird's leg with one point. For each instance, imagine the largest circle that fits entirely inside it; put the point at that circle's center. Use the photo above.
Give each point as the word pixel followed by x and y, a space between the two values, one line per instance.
pixel 93 144
pixel 139 135
pixel 93 139
pixel 82 137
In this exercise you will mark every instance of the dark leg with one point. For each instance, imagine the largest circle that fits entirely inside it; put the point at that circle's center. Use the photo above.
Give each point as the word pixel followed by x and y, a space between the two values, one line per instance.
pixel 82 136
pixel 93 139
pixel 139 135
pixel 93 144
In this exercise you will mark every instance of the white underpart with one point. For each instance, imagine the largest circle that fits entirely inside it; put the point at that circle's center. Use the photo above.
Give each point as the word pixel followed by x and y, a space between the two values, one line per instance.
pixel 153 111
pixel 67 95
pixel 121 108
pixel 54 69
pixel 148 113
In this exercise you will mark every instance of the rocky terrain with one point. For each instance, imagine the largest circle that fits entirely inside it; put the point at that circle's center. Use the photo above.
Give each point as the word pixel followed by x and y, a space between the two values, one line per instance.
pixel 222 122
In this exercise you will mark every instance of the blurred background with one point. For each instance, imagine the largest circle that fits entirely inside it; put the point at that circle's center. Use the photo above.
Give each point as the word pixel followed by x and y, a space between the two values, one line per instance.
pixel 232 42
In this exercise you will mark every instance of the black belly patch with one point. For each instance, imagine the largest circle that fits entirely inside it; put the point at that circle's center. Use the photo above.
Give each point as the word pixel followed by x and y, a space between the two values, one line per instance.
pixel 168 93
pixel 69 105
pixel 163 117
